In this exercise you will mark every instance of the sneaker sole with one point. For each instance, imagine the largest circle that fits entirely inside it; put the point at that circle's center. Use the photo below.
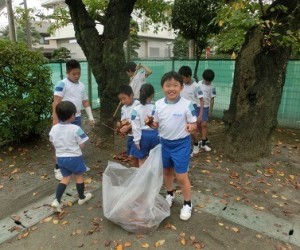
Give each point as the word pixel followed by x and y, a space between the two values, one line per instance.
pixel 184 217
pixel 56 209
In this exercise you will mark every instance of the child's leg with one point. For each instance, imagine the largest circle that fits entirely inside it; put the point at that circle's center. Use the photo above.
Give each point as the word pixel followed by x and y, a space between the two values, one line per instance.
pixel 61 187
pixel 80 185
pixel 185 185
pixel 203 130
pixel 80 189
pixel 169 178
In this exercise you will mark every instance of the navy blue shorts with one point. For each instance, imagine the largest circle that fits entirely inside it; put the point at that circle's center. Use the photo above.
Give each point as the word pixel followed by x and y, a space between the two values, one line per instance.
pixel 71 165
pixel 130 145
pixel 205 114
pixel 149 140
pixel 197 109
pixel 176 153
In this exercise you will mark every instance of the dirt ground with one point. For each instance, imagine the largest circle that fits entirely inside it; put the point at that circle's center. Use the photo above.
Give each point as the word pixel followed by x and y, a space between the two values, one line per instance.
pixel 271 184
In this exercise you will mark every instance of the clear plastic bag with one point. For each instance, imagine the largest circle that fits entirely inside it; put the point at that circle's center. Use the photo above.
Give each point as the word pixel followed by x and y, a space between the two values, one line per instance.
pixel 131 196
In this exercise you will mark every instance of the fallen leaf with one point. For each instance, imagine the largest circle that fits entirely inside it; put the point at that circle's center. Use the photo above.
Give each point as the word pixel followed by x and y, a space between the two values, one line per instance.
pixel 183 241
pixel 292 177
pixel 65 222
pixel 259 236
pixel 15 171
pixel 170 226
pixel 47 219
pixel 119 247
pixel 1 186
pixel 127 244
pixel 192 238
pixel 234 175
pixel 87 180
pixel 159 243
pixel 70 204
pixel 55 222
pixel 221 224
pixel 144 245
pixel 235 229
pixel 24 235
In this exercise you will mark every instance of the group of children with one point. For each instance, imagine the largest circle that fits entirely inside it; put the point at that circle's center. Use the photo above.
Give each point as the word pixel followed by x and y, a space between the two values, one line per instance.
pixel 173 121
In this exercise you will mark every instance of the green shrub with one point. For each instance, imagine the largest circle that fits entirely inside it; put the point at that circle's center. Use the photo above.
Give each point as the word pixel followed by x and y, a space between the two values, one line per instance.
pixel 25 92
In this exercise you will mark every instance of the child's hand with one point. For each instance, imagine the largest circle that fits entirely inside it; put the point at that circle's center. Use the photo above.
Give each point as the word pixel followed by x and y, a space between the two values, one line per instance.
pixel 149 120
pixel 125 129
pixel 139 66
pixel 138 146
pixel 92 123
pixel 190 127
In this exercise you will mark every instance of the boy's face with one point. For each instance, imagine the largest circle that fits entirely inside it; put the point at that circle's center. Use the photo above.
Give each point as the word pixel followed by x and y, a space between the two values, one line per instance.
pixel 74 75
pixel 125 99
pixel 171 89
pixel 186 79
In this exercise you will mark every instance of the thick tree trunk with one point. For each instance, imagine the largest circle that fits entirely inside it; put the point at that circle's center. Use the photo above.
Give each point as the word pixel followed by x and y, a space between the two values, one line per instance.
pixel 257 87
pixel 104 52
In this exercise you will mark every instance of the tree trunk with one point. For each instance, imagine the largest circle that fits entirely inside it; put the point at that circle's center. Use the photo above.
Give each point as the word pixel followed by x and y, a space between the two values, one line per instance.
pixel 104 52
pixel 256 93
pixel 257 88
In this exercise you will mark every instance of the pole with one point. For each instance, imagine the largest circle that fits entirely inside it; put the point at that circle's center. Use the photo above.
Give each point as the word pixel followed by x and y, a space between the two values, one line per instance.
pixel 11 22
pixel 27 27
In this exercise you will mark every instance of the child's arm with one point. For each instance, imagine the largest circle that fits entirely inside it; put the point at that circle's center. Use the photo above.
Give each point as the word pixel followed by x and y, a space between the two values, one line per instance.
pixel 199 119
pixel 211 107
pixel 57 100
pixel 88 111
pixel 148 71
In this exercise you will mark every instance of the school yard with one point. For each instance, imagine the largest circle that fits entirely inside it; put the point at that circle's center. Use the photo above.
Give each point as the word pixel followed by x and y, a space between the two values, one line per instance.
pixel 237 205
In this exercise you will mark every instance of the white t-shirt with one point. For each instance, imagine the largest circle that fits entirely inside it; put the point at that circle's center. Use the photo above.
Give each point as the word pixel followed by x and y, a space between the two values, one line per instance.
pixel 138 116
pixel 173 117
pixel 138 80
pixel 126 111
pixel 66 138
pixel 209 91
pixel 192 92
pixel 73 92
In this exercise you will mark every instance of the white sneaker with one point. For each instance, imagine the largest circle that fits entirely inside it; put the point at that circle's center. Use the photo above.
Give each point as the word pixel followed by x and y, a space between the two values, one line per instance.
pixel 169 199
pixel 195 150
pixel 87 169
pixel 56 206
pixel 57 174
pixel 185 212
pixel 206 148
pixel 88 196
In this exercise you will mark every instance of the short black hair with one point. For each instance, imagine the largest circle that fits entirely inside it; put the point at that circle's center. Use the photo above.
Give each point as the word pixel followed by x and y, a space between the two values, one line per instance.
pixel 208 75
pixel 124 89
pixel 146 91
pixel 185 71
pixel 72 64
pixel 169 76
pixel 130 66
pixel 64 110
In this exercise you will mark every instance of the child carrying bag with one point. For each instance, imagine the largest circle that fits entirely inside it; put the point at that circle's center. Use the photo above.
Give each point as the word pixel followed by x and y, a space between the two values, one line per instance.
pixel 131 196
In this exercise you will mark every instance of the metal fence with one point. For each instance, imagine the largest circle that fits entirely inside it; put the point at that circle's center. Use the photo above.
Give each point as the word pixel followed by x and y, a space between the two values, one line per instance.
pixel 289 110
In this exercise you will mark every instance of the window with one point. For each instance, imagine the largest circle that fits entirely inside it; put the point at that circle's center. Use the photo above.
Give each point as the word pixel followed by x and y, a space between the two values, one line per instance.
pixel 153 52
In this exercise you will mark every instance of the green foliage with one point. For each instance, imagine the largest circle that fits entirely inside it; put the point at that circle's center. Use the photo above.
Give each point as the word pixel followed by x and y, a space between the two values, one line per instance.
pixel 236 17
pixel 133 41
pixel 20 34
pixel 181 48
pixel 25 92
pixel 192 19
pixel 61 53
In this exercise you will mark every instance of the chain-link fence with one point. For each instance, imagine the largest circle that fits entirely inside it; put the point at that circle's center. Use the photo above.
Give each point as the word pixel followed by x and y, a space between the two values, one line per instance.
pixel 289 110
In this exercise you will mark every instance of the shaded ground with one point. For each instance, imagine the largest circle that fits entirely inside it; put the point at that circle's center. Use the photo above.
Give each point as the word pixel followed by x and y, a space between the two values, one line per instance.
pixel 269 185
